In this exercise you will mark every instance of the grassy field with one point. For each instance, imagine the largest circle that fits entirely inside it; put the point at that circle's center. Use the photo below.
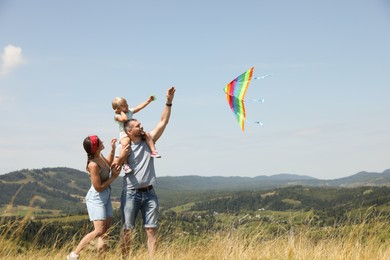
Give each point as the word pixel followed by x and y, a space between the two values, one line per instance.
pixel 25 210
pixel 339 232
pixel 232 245
pixel 365 240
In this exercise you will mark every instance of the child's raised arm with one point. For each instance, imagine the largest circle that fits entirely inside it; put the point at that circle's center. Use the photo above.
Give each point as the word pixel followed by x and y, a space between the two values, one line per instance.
pixel 143 104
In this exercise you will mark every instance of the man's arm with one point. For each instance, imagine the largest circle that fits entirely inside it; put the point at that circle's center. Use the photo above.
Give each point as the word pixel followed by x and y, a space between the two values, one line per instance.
pixel 159 129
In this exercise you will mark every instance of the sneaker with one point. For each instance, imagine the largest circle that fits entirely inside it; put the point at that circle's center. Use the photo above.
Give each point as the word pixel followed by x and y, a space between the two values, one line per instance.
pixel 155 154
pixel 72 256
pixel 126 168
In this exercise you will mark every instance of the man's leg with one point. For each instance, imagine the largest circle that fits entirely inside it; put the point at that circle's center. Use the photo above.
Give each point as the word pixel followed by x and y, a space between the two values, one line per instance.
pixel 130 205
pixel 150 217
pixel 151 236
pixel 125 243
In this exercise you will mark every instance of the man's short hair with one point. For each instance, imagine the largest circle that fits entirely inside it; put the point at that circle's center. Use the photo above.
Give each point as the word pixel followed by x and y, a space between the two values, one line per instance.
pixel 127 124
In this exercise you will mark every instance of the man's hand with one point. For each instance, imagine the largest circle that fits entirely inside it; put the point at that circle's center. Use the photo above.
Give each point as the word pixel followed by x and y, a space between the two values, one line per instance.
pixel 170 95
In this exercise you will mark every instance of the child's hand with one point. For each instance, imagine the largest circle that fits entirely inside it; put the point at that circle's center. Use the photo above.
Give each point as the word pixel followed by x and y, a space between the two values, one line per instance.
pixel 151 98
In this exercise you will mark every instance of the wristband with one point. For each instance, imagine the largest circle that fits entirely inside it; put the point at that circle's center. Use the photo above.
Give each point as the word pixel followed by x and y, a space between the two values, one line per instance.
pixel 168 105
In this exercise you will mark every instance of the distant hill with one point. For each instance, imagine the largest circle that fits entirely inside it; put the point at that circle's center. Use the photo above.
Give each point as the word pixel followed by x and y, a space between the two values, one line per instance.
pixel 359 179
pixel 268 182
pixel 325 201
pixel 65 188
pixel 200 183
pixel 48 188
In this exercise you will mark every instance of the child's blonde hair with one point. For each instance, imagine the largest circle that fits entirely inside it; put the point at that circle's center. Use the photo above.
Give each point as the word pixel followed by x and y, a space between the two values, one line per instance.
pixel 118 102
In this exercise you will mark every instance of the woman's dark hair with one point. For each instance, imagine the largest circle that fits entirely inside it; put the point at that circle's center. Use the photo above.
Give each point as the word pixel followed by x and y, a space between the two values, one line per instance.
pixel 91 143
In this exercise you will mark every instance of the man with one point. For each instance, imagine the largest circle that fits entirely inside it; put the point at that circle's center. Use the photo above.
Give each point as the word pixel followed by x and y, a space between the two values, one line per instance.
pixel 138 192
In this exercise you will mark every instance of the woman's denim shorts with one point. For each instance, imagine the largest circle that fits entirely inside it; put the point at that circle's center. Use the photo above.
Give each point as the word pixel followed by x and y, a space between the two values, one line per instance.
pixel 99 204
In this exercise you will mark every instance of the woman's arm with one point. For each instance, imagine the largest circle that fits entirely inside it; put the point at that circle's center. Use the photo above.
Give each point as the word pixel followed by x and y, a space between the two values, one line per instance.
pixel 96 181
pixel 110 158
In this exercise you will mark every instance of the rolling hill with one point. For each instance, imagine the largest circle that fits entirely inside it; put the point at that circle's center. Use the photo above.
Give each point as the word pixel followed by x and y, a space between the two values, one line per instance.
pixel 64 188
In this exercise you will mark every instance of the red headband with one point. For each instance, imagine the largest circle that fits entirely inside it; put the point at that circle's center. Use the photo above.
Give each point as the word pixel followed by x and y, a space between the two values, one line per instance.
pixel 94 143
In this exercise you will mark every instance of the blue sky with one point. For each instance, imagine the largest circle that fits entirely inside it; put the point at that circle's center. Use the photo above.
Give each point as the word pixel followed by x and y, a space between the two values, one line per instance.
pixel 326 109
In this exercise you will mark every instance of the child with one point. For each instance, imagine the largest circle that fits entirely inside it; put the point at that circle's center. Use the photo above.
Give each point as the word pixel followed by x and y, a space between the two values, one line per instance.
pixel 122 114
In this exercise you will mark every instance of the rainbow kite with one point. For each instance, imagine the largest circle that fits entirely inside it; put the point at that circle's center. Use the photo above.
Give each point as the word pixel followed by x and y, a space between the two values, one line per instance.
pixel 235 93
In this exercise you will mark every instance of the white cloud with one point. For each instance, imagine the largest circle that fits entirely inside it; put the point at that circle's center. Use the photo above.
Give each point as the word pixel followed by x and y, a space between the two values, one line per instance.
pixel 11 59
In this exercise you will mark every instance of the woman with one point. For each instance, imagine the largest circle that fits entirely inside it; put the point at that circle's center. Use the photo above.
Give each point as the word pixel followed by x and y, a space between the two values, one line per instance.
pixel 98 198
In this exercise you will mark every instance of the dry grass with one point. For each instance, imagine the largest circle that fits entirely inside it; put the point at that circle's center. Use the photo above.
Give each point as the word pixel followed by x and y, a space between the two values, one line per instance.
pixel 352 241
